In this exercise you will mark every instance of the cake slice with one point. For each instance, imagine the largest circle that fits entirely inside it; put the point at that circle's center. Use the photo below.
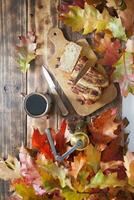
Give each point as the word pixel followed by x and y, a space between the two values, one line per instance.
pixel 70 57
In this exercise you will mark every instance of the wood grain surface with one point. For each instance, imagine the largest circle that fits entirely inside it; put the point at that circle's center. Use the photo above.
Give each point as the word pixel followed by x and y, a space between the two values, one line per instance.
pixel 16 18
pixel 13 15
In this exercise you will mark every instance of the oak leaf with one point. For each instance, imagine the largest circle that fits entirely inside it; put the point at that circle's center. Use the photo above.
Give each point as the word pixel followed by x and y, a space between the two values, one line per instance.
pixel 103 127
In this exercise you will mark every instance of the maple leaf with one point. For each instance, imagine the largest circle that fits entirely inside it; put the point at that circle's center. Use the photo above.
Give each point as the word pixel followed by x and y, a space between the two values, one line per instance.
pixel 28 192
pixel 9 169
pixel 117 29
pixel 77 164
pixel 55 171
pixel 124 73
pixel 74 18
pixel 42 144
pixel 103 127
pixel 70 194
pixel 108 49
pixel 58 172
pixel 92 157
pixel 90 19
pixel 59 138
pixel 102 181
pixel 129 165
pixel 113 152
pixel 29 171
pixel 26 51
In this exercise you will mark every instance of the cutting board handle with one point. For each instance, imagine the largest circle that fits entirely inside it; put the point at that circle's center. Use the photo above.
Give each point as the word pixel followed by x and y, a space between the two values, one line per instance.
pixel 56 36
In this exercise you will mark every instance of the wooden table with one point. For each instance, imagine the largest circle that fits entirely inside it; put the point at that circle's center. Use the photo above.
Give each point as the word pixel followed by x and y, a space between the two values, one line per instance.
pixel 16 18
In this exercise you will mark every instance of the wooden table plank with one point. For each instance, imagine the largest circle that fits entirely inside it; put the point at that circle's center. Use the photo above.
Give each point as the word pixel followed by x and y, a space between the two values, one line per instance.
pixel 41 18
pixel 12 81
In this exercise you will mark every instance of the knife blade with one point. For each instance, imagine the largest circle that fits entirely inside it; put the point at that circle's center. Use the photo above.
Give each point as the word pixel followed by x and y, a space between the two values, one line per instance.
pixel 52 87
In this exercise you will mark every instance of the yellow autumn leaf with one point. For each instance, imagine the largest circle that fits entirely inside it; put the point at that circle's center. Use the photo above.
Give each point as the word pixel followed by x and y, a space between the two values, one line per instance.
pixel 74 18
pixel 92 157
pixel 77 165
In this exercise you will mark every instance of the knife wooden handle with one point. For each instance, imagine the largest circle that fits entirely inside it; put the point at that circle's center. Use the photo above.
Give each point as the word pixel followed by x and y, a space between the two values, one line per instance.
pixel 60 104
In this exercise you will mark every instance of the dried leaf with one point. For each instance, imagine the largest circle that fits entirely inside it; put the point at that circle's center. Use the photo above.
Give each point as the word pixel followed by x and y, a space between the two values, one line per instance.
pixel 102 181
pixel 113 152
pixel 9 169
pixel 90 19
pixel 92 157
pixel 77 164
pixel 124 73
pixel 129 165
pixel 29 171
pixel 108 49
pixel 117 29
pixel 103 127
pixel 26 51
pixel 69 194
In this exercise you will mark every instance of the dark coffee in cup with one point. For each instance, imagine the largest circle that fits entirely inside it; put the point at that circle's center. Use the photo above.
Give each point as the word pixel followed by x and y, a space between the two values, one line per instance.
pixel 37 104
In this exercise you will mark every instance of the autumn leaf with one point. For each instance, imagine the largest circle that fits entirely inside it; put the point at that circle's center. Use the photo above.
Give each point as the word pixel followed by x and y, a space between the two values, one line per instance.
pixel 124 73
pixel 113 152
pixel 42 144
pixel 102 181
pixel 70 194
pixel 9 169
pixel 77 164
pixel 60 139
pixel 90 19
pixel 103 127
pixel 74 18
pixel 117 29
pixel 129 165
pixel 29 172
pixel 108 49
pixel 92 157
pixel 26 51
pixel 28 192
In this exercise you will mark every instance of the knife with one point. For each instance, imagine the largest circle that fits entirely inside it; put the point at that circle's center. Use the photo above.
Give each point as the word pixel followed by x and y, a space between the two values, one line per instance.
pixel 52 87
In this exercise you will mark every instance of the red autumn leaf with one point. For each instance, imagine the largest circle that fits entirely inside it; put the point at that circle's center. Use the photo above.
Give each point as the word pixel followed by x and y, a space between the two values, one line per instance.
pixel 113 152
pixel 64 7
pixel 104 127
pixel 42 144
pixel 59 138
pixel 107 49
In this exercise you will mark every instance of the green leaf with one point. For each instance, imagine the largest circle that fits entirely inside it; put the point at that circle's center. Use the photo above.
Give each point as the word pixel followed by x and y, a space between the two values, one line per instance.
pixel 74 18
pixel 124 73
pixel 28 193
pixel 26 51
pixel 117 29
pixel 69 194
pixel 102 181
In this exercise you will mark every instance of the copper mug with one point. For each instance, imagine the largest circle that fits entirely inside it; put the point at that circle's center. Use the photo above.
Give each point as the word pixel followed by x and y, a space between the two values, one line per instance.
pixel 37 104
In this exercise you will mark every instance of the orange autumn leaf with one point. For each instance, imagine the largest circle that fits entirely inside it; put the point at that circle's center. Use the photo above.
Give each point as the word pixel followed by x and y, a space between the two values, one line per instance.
pixel 42 144
pixel 104 127
pixel 129 165
pixel 77 164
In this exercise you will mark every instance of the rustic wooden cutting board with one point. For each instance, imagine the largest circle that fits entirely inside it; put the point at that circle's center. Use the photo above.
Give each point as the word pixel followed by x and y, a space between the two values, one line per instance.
pixel 59 42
